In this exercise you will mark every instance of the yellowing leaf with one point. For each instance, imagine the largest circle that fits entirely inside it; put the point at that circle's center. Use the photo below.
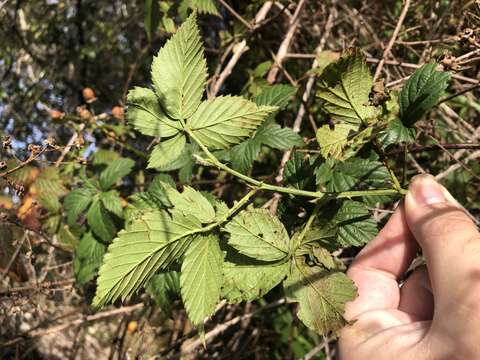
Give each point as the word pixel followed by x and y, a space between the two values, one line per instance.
pixel 179 71
pixel 345 87
pixel 227 120
pixel 332 142
pixel 321 295
pixel 250 279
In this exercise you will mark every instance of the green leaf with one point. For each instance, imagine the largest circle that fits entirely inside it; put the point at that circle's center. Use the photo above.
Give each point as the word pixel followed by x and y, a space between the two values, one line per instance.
pixel 422 92
pixel 164 288
pixel 355 227
pixel 49 202
pixel 179 71
pixel 185 159
pixel 201 277
pixel 104 157
pixel 321 296
pixel 270 134
pixel 396 133
pixel 345 87
pixel 149 244
pixel 204 6
pixel 333 142
pixel 276 95
pixel 275 136
pixel 151 18
pixel 145 114
pixel 112 202
pixel 244 154
pixel 76 202
pixel 166 152
pixel 298 172
pixel 258 234
pixel 226 120
pixel 324 58
pixel 322 232
pixel 251 279
pixel 191 203
pixel 100 222
pixel 115 171
pixel 356 173
pixel 88 258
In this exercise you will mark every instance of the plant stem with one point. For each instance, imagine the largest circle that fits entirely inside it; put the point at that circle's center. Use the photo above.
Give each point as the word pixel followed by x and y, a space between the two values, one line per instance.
pixel 286 190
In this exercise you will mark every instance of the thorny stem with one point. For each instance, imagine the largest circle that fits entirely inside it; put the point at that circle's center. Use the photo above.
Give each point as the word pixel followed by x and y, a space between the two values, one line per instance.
pixel 312 194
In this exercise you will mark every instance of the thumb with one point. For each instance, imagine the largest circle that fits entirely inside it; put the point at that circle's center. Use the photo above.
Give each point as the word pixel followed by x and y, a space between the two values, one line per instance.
pixel 449 239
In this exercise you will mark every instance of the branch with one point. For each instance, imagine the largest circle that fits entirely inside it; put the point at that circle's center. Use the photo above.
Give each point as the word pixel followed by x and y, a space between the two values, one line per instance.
pixel 285 45
pixel 260 185
pixel 77 322
pixel 238 51
pixel 392 39
pixel 69 145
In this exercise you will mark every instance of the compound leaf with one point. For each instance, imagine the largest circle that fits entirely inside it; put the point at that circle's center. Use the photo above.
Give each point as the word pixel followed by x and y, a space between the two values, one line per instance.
pixel 147 245
pixel 345 87
pixel 201 277
pixel 227 120
pixel 321 296
pixel 258 234
pixel 179 71
pixel 422 92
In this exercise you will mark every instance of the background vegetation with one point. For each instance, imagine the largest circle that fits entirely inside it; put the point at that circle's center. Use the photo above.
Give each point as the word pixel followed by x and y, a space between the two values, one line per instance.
pixel 65 70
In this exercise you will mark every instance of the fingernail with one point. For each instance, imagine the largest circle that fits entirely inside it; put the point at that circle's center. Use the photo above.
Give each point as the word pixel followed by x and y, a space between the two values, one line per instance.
pixel 427 191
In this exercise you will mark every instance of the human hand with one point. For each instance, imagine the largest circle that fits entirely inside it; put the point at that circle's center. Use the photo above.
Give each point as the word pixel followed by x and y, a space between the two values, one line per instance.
pixel 435 314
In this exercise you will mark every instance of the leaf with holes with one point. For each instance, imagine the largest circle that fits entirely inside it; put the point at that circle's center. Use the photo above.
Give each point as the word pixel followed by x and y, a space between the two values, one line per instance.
pixel 258 234
pixel 345 88
pixel 321 296
pixel 249 279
